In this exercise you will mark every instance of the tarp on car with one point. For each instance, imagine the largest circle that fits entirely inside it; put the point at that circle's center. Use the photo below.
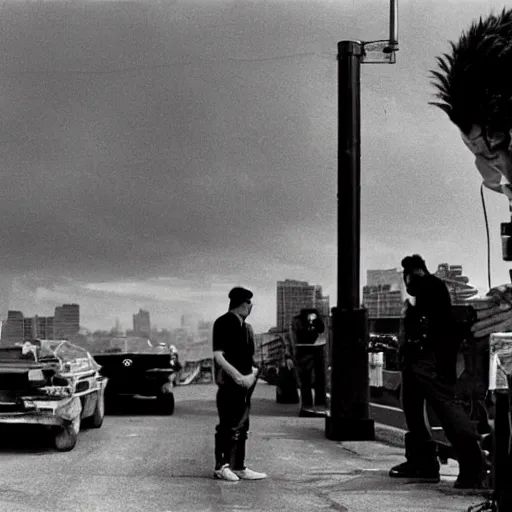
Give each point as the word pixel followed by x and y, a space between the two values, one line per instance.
pixel 66 372
pixel 60 354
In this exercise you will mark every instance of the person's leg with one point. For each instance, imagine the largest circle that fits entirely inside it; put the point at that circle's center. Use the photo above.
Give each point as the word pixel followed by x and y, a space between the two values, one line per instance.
pixel 420 449
pixel 238 460
pixel 220 432
pixel 239 448
pixel 305 363
pixel 228 405
pixel 319 383
pixel 413 405
pixel 459 430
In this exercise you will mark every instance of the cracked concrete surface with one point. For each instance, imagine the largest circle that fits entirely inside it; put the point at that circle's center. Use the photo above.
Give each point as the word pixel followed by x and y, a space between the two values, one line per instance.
pixel 140 461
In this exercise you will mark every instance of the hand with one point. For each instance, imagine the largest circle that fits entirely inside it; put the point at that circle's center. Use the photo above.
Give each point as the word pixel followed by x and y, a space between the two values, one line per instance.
pixel 289 363
pixel 255 371
pixel 248 380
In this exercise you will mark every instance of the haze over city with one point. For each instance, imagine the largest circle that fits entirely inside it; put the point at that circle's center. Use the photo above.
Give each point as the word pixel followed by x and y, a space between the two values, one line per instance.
pixel 154 155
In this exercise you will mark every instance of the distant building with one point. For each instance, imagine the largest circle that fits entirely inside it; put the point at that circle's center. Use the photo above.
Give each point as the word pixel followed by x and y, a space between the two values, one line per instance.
pixel 142 324
pixel 292 296
pixel 43 327
pixel 269 349
pixel 191 322
pixel 29 328
pixel 384 293
pixel 457 284
pixel 15 326
pixel 18 327
pixel 66 321
pixel 204 331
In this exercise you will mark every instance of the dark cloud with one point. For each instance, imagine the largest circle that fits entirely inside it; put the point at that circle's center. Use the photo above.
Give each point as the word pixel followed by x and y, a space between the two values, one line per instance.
pixel 128 172
pixel 194 139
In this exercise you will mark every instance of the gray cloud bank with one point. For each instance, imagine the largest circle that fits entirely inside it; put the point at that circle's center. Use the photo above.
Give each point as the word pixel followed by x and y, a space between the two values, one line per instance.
pixel 192 139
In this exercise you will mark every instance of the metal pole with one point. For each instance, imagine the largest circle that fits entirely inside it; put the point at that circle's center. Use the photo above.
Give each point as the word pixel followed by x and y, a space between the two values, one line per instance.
pixel 393 23
pixel 348 417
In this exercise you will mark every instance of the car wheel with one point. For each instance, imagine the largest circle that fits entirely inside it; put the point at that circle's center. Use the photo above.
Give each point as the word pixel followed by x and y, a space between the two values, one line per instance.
pixel 166 403
pixel 66 436
pixel 96 420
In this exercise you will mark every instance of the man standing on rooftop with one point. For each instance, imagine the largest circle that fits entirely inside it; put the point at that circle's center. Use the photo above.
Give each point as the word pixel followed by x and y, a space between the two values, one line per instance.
pixel 235 375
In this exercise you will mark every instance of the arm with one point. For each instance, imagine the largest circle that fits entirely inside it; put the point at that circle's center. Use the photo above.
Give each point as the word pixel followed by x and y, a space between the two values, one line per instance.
pixel 289 340
pixel 255 365
pixel 221 340
pixel 289 345
pixel 439 311
pixel 227 367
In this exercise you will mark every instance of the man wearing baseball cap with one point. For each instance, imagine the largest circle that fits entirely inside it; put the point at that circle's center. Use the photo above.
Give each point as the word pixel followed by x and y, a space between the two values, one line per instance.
pixel 235 376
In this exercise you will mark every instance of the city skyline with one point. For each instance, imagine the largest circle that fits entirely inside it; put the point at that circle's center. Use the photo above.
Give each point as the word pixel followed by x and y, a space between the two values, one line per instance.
pixel 152 162
pixel 374 277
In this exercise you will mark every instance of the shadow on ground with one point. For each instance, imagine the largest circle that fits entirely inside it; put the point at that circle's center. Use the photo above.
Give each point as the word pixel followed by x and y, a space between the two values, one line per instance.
pixel 27 439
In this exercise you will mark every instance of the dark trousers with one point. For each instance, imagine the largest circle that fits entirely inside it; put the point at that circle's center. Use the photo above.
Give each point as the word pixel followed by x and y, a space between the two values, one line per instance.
pixel 310 360
pixel 230 436
pixel 420 385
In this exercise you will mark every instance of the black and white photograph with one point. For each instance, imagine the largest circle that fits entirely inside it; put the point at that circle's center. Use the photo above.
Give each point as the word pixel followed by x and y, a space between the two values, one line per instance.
pixel 255 255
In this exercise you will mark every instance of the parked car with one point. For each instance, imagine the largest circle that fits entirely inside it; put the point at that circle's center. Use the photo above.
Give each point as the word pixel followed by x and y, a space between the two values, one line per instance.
pixel 135 367
pixel 52 383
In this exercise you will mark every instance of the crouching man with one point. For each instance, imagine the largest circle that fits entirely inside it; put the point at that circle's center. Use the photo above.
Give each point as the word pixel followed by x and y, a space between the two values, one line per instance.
pixel 235 376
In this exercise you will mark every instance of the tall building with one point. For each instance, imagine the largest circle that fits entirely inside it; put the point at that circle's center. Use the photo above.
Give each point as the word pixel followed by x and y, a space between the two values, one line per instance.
pixel 292 296
pixel 384 293
pixel 66 321
pixel 18 327
pixel 15 326
pixel 204 331
pixel 142 324
pixel 457 283
pixel 43 327
pixel 190 322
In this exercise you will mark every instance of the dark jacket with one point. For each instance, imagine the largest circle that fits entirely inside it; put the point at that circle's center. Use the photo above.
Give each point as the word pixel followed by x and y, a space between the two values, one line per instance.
pixel 236 341
pixel 429 329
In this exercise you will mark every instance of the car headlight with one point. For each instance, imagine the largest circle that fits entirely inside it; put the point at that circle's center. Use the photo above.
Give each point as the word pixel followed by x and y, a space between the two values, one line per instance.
pixel 36 375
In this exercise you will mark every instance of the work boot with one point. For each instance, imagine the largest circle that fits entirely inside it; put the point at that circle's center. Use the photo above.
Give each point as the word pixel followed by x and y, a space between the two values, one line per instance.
pixel 474 472
pixel 414 472
pixel 421 463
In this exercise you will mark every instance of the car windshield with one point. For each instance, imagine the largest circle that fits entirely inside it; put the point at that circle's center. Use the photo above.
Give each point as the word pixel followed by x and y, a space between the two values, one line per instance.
pixel 127 345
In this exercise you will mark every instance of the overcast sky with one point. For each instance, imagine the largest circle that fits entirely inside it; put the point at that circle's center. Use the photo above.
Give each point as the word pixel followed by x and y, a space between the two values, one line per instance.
pixel 156 153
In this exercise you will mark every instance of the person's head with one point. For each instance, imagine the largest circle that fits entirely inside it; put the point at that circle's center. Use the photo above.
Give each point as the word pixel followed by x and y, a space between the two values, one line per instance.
pixel 240 301
pixel 311 319
pixel 415 270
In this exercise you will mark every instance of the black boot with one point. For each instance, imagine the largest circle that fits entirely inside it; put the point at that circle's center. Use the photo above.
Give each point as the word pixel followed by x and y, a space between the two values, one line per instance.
pixel 421 464
pixel 474 467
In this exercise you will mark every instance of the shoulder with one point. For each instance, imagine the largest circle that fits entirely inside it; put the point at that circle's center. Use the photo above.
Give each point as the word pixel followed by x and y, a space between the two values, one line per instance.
pixel 225 320
pixel 437 283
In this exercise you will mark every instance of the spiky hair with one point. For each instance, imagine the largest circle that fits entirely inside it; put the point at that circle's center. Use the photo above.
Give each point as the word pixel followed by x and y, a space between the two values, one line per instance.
pixel 473 82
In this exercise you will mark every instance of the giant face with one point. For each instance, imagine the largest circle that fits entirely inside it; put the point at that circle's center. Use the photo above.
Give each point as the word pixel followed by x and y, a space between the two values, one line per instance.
pixel 475 91
pixel 493 159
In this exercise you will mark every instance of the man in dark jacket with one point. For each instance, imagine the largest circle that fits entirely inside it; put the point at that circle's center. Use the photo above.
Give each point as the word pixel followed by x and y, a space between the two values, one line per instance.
pixel 428 354
pixel 235 375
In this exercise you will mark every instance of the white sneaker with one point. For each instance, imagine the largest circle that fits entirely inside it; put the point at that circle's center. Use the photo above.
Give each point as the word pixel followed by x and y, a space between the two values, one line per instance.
pixel 225 473
pixel 249 474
